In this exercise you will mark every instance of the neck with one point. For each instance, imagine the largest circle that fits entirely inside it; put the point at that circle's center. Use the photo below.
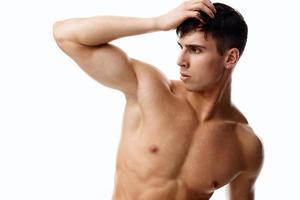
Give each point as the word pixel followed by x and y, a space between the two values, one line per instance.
pixel 212 104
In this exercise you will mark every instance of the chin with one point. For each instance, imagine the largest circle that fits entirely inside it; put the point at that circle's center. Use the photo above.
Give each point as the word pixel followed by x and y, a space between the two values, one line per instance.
pixel 195 87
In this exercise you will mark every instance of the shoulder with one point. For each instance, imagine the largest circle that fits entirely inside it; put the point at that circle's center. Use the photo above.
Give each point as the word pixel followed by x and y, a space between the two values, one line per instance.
pixel 149 77
pixel 252 148
pixel 148 72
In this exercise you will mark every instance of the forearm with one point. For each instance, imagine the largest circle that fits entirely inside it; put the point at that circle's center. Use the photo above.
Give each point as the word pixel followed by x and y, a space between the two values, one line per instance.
pixel 99 30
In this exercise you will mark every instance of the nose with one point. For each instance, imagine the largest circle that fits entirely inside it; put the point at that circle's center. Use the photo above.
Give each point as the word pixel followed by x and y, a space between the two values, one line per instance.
pixel 182 61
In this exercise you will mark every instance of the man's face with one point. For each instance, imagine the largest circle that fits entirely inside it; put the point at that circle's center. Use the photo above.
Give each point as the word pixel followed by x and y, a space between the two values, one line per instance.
pixel 201 66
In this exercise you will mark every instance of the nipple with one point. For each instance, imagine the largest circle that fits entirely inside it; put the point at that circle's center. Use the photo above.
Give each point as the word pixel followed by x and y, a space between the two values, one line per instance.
pixel 153 148
pixel 215 184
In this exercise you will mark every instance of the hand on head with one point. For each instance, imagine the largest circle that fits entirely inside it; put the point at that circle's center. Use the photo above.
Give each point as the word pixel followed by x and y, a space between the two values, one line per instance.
pixel 187 9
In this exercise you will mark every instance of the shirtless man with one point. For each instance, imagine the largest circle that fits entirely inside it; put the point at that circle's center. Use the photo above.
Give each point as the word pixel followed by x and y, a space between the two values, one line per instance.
pixel 181 139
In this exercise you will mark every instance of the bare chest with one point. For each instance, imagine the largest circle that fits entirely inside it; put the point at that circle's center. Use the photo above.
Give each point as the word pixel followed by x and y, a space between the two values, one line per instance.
pixel 201 157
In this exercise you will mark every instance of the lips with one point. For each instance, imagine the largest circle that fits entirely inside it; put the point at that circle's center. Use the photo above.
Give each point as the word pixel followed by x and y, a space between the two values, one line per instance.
pixel 184 75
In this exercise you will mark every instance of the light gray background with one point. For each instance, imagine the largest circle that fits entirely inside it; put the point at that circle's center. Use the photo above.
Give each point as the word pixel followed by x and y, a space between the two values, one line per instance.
pixel 59 129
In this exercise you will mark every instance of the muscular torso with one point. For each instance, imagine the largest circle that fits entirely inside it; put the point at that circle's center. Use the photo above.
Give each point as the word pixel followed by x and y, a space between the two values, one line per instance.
pixel 165 153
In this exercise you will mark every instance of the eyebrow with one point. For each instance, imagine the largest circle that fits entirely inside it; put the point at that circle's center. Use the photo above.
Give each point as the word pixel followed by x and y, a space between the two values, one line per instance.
pixel 193 45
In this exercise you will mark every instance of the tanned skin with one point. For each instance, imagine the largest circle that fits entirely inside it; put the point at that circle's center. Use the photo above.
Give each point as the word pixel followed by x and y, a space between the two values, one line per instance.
pixel 181 139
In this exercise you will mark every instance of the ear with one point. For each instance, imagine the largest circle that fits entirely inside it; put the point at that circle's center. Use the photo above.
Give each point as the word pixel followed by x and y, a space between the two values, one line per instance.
pixel 231 58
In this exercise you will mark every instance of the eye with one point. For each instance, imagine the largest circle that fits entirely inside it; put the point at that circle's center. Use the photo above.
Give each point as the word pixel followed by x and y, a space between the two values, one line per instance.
pixel 195 50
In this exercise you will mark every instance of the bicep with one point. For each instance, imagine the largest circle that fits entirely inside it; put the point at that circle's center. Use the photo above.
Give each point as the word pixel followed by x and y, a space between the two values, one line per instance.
pixel 242 187
pixel 107 64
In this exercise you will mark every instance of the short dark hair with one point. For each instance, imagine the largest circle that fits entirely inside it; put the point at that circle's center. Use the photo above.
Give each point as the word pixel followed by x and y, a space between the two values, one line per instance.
pixel 228 28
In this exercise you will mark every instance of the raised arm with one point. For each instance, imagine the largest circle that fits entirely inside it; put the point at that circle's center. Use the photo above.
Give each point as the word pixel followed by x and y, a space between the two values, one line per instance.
pixel 86 41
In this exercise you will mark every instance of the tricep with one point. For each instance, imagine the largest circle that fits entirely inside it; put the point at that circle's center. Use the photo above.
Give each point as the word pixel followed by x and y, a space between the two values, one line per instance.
pixel 106 63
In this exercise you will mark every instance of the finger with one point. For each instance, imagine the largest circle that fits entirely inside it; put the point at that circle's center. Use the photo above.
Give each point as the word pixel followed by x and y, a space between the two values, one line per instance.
pixel 208 3
pixel 195 14
pixel 203 7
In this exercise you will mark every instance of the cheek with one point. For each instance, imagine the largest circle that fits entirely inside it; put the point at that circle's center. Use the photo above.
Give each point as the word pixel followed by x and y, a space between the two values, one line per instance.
pixel 208 67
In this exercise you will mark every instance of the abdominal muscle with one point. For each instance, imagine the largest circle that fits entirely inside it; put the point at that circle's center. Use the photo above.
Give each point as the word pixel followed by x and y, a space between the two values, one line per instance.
pixel 155 188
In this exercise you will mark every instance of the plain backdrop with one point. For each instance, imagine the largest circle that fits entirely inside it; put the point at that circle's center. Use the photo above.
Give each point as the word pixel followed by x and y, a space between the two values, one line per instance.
pixel 59 129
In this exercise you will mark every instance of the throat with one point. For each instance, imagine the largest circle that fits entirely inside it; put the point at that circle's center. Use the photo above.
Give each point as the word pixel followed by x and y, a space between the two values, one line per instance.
pixel 216 104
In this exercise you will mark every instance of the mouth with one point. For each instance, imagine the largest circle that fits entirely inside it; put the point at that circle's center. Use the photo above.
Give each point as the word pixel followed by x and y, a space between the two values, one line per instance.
pixel 184 77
